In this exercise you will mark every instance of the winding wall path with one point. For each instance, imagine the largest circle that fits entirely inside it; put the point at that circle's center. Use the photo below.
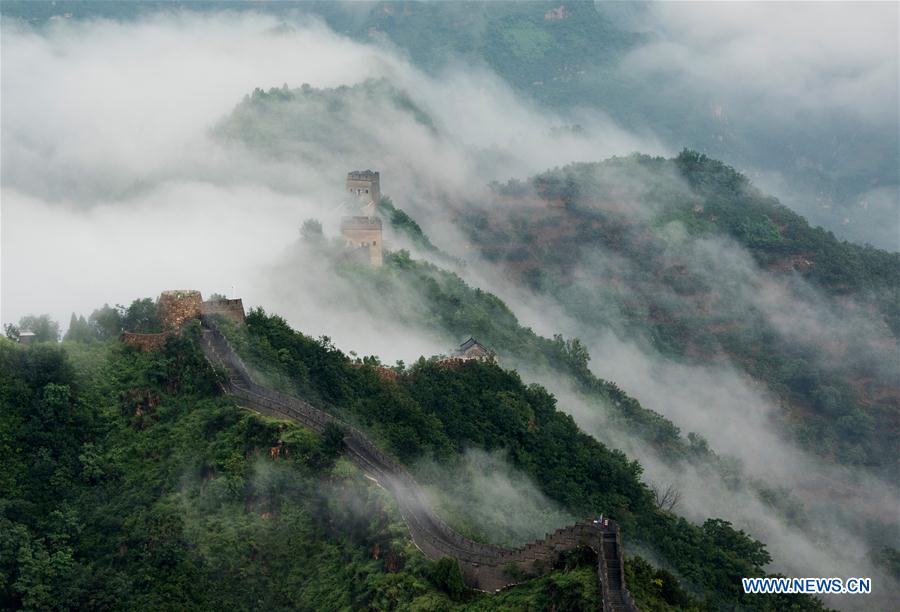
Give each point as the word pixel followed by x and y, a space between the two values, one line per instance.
pixel 485 567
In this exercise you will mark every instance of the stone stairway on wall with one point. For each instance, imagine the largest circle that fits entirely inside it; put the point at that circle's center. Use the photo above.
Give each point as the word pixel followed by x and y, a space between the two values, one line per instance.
pixel 485 567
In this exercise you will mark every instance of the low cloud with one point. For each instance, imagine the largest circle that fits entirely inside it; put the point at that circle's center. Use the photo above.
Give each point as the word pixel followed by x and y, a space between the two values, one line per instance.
pixel 830 515
pixel 116 183
pixel 487 498
pixel 802 96
pixel 789 58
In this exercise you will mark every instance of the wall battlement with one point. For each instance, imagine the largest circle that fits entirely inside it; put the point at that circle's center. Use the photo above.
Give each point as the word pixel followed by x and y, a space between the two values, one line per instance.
pixel 360 223
pixel 364 185
pixel 230 309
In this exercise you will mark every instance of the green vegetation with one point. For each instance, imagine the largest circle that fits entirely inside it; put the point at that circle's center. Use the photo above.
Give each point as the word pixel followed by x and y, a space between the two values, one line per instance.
pixel 403 224
pixel 479 405
pixel 295 122
pixel 108 322
pixel 655 227
pixel 450 305
pixel 129 483
pixel 772 232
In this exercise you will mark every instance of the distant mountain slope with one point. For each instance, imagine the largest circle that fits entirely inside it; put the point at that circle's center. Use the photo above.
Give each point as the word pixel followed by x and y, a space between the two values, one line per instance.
pixel 657 249
pixel 684 253
pixel 295 122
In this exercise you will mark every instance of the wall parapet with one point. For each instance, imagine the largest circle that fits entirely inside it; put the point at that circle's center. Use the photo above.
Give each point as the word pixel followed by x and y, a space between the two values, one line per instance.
pixel 230 309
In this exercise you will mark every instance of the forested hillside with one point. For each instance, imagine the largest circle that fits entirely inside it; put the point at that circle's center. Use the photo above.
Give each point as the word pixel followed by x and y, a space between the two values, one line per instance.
pixel 130 483
pixel 477 299
pixel 654 249
pixel 133 483
pixel 432 410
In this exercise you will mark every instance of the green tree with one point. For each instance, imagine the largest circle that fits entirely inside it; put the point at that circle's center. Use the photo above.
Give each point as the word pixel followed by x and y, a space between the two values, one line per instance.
pixel 79 330
pixel 107 322
pixel 12 331
pixel 447 576
pixel 311 230
pixel 141 316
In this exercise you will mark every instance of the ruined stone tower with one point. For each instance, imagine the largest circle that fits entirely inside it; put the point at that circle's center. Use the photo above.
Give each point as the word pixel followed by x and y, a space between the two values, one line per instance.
pixel 176 308
pixel 362 232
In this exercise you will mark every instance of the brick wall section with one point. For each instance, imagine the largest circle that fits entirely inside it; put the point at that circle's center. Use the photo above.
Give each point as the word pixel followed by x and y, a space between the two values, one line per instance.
pixel 230 309
pixel 176 308
pixel 145 342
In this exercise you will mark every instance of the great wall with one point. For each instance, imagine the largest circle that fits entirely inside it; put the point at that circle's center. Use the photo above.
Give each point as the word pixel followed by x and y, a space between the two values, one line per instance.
pixel 484 567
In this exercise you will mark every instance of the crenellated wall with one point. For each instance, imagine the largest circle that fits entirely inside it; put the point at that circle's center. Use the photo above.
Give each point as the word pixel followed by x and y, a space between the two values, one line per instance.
pixel 364 234
pixel 365 185
pixel 230 309
pixel 175 309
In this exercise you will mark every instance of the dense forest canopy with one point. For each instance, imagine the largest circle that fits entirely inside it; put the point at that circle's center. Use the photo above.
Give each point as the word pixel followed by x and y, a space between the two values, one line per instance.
pixel 132 482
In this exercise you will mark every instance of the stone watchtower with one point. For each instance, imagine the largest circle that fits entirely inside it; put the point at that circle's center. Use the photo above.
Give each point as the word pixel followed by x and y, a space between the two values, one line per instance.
pixel 363 236
pixel 176 308
pixel 365 185
pixel 363 230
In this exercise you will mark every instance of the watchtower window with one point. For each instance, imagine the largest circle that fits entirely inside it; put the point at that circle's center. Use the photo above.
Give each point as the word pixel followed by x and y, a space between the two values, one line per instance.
pixel 367 191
